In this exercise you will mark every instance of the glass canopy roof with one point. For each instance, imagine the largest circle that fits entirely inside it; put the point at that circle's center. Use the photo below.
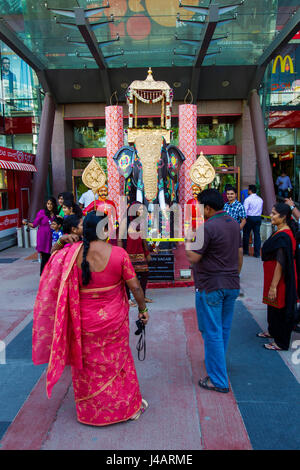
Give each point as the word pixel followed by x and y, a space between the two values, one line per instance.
pixel 153 33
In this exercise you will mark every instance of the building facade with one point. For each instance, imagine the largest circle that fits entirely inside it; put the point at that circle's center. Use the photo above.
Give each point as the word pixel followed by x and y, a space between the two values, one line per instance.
pixel 20 104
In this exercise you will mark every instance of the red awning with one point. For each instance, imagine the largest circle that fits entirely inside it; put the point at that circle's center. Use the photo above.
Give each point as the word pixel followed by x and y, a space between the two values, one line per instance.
pixel 6 165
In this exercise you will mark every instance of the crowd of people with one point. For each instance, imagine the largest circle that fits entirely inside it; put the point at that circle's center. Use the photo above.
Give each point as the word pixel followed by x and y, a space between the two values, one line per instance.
pixel 50 221
pixel 81 313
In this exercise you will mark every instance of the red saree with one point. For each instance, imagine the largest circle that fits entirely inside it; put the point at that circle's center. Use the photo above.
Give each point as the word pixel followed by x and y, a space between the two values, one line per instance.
pixel 88 327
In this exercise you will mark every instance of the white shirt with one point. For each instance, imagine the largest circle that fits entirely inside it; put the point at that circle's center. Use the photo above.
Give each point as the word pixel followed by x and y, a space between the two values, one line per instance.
pixel 87 198
pixel 253 205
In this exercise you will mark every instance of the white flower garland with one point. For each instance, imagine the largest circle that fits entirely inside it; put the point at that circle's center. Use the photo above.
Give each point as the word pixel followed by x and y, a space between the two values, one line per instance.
pixel 144 100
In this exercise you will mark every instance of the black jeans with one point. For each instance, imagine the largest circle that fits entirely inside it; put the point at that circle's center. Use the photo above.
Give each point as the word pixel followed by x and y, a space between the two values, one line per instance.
pixel 253 223
pixel 45 257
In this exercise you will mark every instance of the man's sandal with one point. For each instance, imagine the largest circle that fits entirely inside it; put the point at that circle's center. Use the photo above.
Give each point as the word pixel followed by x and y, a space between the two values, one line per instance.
pixel 204 384
pixel 142 410
pixel 272 347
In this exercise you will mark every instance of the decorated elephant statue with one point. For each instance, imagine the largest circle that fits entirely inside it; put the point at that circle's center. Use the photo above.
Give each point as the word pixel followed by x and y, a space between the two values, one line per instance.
pixel 151 170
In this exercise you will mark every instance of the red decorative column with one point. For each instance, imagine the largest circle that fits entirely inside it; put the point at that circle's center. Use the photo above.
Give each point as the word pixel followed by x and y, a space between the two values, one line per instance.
pixel 188 146
pixel 114 140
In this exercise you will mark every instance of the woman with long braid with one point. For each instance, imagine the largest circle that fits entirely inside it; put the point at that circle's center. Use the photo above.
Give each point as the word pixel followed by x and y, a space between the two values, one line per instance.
pixel 85 317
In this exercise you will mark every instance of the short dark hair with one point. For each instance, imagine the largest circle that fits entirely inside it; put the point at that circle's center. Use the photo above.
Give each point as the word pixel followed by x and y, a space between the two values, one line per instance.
pixel 59 220
pixel 231 188
pixel 252 188
pixel 211 198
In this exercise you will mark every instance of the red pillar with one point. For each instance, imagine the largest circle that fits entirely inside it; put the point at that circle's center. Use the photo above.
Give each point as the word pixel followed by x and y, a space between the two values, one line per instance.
pixel 262 153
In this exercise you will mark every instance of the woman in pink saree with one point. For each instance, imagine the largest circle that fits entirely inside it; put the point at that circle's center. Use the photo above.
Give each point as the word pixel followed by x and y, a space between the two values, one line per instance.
pixel 81 319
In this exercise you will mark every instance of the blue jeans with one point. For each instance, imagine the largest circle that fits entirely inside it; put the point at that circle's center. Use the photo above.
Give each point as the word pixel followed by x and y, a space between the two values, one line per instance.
pixel 283 192
pixel 214 313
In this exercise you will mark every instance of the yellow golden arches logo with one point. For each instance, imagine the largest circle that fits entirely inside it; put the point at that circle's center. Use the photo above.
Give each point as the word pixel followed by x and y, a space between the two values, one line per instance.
pixel 283 64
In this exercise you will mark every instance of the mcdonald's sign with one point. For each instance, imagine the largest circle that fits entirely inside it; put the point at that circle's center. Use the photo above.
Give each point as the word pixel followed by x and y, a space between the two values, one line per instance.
pixel 286 64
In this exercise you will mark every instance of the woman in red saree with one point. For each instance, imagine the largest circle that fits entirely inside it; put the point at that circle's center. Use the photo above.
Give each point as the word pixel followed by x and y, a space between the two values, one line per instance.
pixel 280 279
pixel 81 319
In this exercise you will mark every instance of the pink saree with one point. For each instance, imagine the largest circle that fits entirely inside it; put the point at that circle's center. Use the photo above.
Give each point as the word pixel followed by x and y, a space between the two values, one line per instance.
pixel 88 328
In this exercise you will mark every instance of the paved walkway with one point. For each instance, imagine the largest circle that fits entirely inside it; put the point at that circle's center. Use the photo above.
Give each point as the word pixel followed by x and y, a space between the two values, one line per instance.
pixel 264 396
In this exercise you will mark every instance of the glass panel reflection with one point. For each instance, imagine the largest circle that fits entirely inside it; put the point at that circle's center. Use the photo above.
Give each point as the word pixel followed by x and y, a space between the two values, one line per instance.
pixel 89 135
pixel 215 134
pixel 146 29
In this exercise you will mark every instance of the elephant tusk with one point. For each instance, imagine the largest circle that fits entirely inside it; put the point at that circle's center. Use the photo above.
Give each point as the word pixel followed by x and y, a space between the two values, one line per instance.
pixel 161 198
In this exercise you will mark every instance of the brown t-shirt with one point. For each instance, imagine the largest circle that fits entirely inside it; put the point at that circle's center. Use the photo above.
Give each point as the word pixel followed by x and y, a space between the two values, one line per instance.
pixel 218 268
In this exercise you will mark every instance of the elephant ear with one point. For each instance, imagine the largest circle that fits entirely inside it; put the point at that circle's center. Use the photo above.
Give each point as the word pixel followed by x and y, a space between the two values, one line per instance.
pixel 124 159
pixel 175 159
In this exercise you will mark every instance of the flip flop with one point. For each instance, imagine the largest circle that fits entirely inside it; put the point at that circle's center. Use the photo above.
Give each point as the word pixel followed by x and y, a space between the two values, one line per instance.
pixel 272 347
pixel 264 335
pixel 203 383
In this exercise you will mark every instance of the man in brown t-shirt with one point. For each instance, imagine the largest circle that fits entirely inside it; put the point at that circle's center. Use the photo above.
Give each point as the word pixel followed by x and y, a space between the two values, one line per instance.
pixel 216 266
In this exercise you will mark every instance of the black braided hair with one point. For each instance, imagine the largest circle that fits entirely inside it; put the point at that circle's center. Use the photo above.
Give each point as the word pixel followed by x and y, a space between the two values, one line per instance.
pixel 89 234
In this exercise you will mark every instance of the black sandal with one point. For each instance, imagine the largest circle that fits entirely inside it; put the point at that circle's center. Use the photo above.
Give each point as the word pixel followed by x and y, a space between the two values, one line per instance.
pixel 203 383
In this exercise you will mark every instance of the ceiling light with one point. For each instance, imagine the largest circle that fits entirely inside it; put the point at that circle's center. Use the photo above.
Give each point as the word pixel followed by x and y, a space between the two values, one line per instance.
pixel 225 83
pixel 76 86
pixel 177 84
pixel 124 85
